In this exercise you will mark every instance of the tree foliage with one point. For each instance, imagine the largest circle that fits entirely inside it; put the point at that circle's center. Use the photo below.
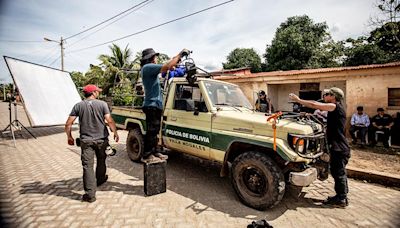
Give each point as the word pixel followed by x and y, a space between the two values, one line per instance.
pixel 387 38
pixel 78 78
pixel 328 54
pixel 361 52
pixel 300 43
pixel 383 43
pixel 115 74
pixel 243 57
pixel 116 66
pixel 389 11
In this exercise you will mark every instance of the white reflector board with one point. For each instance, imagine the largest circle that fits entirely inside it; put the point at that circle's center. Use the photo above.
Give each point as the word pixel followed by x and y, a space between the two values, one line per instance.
pixel 48 94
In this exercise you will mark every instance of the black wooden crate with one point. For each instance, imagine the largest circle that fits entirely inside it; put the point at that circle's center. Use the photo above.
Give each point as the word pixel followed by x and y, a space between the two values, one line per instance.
pixel 155 178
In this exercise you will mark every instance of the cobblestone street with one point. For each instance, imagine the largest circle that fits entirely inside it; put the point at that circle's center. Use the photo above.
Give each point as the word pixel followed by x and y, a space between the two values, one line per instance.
pixel 41 186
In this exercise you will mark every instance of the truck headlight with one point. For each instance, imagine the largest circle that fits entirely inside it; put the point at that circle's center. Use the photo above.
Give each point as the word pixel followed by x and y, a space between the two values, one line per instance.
pixel 307 146
pixel 298 144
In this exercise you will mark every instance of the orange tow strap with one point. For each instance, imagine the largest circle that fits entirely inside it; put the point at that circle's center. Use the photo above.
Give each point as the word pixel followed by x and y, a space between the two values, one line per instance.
pixel 274 117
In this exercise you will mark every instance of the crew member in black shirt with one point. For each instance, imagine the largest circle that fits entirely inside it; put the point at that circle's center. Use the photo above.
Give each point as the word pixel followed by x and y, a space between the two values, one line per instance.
pixel 381 122
pixel 263 103
pixel 337 142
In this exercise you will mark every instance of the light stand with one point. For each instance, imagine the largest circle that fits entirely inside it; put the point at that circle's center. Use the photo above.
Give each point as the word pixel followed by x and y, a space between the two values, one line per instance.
pixel 14 125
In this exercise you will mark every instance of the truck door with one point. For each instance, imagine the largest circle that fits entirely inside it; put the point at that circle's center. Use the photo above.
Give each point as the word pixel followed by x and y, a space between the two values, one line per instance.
pixel 187 122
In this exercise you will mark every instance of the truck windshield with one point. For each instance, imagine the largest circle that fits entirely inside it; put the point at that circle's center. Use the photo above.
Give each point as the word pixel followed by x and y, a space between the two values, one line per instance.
pixel 222 94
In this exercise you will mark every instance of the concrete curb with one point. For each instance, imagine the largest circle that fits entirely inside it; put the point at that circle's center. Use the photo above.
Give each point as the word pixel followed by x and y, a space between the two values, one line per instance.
pixel 386 179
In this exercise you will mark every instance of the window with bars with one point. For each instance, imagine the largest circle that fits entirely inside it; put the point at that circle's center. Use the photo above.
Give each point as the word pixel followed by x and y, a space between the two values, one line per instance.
pixel 394 97
pixel 309 86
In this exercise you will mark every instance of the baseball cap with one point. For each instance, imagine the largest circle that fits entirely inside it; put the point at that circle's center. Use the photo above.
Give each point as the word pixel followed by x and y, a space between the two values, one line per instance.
pixel 91 88
pixel 337 92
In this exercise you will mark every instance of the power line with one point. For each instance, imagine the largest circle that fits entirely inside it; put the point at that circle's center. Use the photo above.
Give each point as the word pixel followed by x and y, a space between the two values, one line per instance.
pixel 50 55
pixel 153 27
pixel 76 61
pixel 110 23
pixel 21 41
pixel 106 20
pixel 54 61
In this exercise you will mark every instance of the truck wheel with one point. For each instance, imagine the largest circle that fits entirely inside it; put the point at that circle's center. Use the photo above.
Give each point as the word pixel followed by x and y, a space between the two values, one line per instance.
pixel 257 180
pixel 135 144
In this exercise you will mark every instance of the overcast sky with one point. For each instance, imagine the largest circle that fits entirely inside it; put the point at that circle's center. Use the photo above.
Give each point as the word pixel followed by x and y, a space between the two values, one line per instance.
pixel 211 35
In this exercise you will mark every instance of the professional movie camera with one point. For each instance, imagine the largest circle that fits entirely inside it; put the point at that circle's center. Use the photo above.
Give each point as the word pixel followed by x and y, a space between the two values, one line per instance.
pixel 187 68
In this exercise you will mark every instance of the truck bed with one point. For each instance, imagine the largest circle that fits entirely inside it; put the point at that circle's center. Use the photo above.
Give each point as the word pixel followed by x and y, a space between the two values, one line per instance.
pixel 123 114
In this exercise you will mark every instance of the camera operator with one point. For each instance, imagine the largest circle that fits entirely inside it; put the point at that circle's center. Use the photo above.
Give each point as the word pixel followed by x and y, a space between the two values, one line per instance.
pixel 152 105
pixel 263 103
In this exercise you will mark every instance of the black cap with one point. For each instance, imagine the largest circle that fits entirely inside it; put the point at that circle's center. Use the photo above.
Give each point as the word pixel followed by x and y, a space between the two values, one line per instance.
pixel 148 53
pixel 360 108
pixel 262 92
pixel 380 110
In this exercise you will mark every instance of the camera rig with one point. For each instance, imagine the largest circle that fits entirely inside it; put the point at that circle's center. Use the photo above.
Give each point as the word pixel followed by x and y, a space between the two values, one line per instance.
pixel 186 68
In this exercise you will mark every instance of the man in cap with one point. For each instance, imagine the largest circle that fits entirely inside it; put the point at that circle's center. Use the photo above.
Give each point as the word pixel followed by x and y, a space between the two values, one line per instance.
pixel 381 122
pixel 93 115
pixel 337 142
pixel 152 105
pixel 322 115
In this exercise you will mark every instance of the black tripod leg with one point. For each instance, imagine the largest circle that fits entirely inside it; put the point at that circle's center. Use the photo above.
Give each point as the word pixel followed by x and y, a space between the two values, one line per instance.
pixel 5 129
pixel 12 133
pixel 21 125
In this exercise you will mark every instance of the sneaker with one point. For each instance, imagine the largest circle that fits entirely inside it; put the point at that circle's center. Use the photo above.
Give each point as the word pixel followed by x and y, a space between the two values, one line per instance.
pixel 102 181
pixel 87 198
pixel 161 156
pixel 150 159
pixel 336 202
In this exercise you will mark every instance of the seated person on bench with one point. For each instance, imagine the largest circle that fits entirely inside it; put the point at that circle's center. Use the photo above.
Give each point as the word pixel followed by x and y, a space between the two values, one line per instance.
pixel 381 122
pixel 359 122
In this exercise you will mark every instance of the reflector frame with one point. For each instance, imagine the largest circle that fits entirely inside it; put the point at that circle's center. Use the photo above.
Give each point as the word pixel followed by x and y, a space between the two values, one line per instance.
pixel 48 94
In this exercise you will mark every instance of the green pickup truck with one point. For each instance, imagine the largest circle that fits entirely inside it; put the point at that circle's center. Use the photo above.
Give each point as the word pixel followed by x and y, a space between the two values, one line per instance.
pixel 213 120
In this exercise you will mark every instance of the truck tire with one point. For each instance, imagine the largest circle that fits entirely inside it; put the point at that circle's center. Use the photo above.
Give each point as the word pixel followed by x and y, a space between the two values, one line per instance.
pixel 135 144
pixel 257 180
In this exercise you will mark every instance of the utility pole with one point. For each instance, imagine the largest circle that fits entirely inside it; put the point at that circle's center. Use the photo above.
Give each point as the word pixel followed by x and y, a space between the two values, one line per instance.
pixel 61 43
pixel 62 53
pixel 4 91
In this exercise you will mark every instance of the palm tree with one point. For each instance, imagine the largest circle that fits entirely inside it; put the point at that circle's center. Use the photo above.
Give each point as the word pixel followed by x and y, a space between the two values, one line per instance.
pixel 115 66
pixel 95 75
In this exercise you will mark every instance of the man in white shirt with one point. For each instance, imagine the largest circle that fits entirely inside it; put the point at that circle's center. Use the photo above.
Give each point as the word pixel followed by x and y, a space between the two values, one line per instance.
pixel 359 122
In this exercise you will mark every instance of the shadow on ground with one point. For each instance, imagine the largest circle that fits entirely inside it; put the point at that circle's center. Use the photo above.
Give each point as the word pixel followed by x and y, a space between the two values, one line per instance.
pixel 188 176
pixel 36 131
pixel 199 180
pixel 69 188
